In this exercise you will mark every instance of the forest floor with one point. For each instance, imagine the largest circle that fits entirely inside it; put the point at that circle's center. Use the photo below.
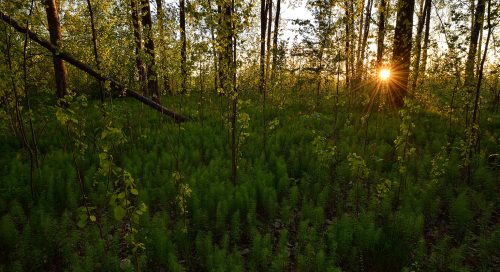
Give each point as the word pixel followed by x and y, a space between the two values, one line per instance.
pixel 333 187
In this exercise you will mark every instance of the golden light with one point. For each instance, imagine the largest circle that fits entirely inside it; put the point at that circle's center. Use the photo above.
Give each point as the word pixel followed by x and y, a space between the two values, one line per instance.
pixel 384 74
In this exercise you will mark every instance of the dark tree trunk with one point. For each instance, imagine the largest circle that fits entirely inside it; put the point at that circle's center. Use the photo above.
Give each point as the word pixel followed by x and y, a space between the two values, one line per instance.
pixel 268 41
pixel 382 10
pixel 147 26
pixel 163 78
pixel 423 65
pixel 347 43
pixel 275 38
pixel 401 54
pixel 227 72
pixel 474 37
pixel 182 22
pixel 364 40
pixel 141 69
pixel 94 43
pixel 418 41
pixel 60 71
pixel 263 26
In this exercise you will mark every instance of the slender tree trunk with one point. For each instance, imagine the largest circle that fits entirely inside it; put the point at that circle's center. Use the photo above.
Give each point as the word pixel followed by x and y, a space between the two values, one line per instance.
pixel 347 44
pixel 268 41
pixel 149 45
pixel 364 41
pixel 263 26
pixel 382 10
pixel 478 23
pixel 182 22
pixel 401 54
pixel 275 38
pixel 424 6
pixel 361 6
pixel 60 71
pixel 163 78
pixel 234 100
pixel 426 41
pixel 141 69
pixel 94 43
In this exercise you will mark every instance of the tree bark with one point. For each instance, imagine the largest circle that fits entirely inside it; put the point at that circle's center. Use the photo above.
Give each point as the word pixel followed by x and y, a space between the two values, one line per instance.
pixel 275 38
pixel 163 79
pixel 141 69
pixel 268 41
pixel 364 41
pixel 147 26
pixel 425 5
pixel 84 67
pixel 182 22
pixel 263 26
pixel 401 54
pixel 426 40
pixel 94 43
pixel 474 37
pixel 54 24
pixel 382 10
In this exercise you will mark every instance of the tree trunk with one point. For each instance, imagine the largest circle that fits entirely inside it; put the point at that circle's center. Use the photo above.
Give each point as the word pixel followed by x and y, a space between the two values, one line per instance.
pixel 275 38
pixel 94 43
pixel 364 41
pixel 382 10
pixel 401 54
pixel 268 41
pixel 141 69
pixel 163 79
pixel 263 26
pixel 60 71
pixel 425 5
pixel 149 45
pixel 478 23
pixel 182 22
pixel 347 44
pixel 426 40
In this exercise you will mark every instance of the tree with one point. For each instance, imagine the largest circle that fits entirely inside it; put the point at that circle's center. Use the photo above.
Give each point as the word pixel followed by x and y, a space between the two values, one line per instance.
pixel 149 45
pixel 473 42
pixel 263 26
pixel 275 38
pixel 141 69
pixel 401 54
pixel 54 25
pixel 382 11
pixel 182 23
pixel 424 6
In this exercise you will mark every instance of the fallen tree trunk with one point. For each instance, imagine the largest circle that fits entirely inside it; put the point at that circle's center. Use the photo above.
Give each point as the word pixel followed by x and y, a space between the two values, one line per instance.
pixel 84 67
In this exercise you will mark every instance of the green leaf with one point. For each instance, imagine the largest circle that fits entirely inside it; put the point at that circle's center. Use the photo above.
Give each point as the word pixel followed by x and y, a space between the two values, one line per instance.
pixel 119 212
pixel 92 218
pixel 134 191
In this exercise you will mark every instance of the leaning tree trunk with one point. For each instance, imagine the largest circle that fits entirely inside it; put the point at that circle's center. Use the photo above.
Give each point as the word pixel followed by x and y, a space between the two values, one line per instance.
pixel 401 54
pixel 60 71
pixel 149 45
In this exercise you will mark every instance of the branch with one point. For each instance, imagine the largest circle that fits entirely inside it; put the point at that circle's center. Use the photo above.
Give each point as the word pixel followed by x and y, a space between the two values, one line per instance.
pixel 84 67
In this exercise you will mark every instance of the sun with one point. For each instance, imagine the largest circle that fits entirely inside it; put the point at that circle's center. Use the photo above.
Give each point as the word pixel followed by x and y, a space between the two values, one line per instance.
pixel 384 74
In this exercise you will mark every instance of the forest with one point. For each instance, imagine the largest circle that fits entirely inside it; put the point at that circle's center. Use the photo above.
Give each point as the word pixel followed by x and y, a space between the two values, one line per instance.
pixel 249 135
